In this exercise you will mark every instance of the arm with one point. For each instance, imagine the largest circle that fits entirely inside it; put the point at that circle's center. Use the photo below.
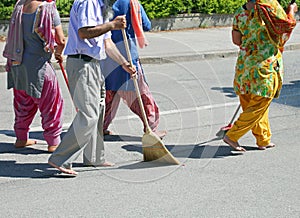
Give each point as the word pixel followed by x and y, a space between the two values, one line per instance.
pixel 113 52
pixel 94 31
pixel 60 41
pixel 292 9
pixel 236 37
pixel 145 20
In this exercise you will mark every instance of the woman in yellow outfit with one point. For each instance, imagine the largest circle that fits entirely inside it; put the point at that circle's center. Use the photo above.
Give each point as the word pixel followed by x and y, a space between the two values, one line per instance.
pixel 260 29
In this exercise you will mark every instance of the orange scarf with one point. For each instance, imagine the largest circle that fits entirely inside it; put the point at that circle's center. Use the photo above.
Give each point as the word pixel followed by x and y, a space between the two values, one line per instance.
pixel 136 20
pixel 278 23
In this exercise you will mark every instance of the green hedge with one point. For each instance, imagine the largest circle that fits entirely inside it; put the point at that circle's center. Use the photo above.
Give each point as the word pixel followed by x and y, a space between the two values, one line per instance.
pixel 155 8
pixel 166 8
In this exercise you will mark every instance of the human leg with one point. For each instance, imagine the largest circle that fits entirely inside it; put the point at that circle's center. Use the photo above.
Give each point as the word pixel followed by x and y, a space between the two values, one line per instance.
pixel 112 101
pixel 93 153
pixel 254 108
pixel 82 80
pixel 262 132
pixel 51 105
pixel 150 106
pixel 25 110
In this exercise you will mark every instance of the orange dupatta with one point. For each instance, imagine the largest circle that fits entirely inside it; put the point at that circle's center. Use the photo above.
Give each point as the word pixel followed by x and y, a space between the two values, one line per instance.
pixel 136 20
pixel 279 24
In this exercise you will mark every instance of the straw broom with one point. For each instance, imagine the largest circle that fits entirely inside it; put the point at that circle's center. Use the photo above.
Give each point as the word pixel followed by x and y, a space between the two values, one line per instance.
pixel 152 146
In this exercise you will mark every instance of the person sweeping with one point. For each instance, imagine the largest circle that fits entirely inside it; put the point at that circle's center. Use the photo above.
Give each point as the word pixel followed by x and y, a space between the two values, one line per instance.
pixel 260 29
pixel 118 82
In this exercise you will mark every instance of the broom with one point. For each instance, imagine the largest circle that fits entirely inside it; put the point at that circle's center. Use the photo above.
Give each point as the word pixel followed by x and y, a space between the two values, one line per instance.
pixel 64 75
pixel 222 132
pixel 67 81
pixel 152 146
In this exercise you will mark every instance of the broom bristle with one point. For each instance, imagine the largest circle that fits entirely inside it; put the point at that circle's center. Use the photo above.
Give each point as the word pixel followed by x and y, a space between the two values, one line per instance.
pixel 155 150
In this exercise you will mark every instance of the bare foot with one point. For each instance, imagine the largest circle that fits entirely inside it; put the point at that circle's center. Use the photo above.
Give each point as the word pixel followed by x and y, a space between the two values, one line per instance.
pixel 233 144
pixel 161 134
pixel 271 145
pixel 24 143
pixel 105 164
pixel 107 132
pixel 52 148
pixel 63 170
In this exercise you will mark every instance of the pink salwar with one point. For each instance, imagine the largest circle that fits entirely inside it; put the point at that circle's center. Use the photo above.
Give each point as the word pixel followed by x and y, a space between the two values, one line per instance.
pixel 50 105
pixel 112 101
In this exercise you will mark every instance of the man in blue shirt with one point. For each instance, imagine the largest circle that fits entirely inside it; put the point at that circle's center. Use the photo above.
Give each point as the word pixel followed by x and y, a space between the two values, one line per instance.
pixel 89 35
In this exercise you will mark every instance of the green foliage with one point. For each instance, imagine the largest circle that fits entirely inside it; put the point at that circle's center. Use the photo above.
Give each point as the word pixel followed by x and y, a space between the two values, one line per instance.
pixel 165 8
pixel 155 8
pixel 64 7
pixel 217 6
pixel 6 8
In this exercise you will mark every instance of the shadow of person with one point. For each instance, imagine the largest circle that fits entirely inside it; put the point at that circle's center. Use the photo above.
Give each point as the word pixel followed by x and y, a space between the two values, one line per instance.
pixel 290 94
pixel 191 151
pixel 32 135
pixel 229 92
pixel 10 148
pixel 12 169
pixel 114 138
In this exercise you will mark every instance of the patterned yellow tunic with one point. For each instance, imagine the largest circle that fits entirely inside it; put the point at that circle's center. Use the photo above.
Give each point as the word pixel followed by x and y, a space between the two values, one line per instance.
pixel 259 60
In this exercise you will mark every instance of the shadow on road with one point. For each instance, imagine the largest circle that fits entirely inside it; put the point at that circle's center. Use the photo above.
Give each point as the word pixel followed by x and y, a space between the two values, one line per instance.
pixel 32 135
pixel 10 148
pixel 290 93
pixel 12 169
pixel 116 138
pixel 191 151
pixel 228 91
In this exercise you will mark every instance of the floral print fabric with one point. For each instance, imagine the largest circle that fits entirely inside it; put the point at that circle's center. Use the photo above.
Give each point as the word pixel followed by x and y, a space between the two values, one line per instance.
pixel 259 60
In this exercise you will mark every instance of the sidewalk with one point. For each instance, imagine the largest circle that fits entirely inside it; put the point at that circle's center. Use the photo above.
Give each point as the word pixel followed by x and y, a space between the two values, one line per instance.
pixel 195 99
pixel 187 45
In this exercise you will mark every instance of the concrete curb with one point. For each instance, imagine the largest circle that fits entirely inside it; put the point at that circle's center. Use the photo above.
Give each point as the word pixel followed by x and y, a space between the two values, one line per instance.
pixel 183 57
pixel 202 56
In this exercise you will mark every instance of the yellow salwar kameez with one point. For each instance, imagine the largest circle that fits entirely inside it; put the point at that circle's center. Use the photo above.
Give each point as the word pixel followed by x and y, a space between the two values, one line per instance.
pixel 259 69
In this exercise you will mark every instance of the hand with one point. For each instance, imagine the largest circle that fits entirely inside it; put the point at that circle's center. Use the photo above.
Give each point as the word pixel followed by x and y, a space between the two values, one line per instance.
pixel 58 57
pixel 292 8
pixel 119 22
pixel 129 69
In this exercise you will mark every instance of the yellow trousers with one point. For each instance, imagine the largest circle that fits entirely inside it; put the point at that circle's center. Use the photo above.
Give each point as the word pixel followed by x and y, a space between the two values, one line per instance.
pixel 255 117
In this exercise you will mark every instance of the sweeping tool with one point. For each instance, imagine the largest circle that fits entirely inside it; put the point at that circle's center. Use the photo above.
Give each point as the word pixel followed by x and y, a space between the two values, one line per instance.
pixel 224 129
pixel 153 148
pixel 64 75
pixel 67 81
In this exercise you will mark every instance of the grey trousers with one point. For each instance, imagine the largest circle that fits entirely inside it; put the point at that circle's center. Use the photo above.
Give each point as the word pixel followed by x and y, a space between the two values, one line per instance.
pixel 87 89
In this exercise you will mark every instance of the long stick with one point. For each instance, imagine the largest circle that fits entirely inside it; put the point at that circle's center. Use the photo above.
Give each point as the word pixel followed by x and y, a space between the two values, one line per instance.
pixel 67 82
pixel 64 74
pixel 148 129
pixel 234 115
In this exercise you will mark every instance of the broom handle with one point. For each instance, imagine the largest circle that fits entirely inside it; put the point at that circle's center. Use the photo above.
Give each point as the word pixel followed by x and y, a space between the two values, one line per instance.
pixel 67 82
pixel 148 129
pixel 64 74
pixel 235 113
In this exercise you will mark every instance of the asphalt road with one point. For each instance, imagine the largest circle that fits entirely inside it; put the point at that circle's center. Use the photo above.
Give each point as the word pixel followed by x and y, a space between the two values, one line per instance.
pixel 195 100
